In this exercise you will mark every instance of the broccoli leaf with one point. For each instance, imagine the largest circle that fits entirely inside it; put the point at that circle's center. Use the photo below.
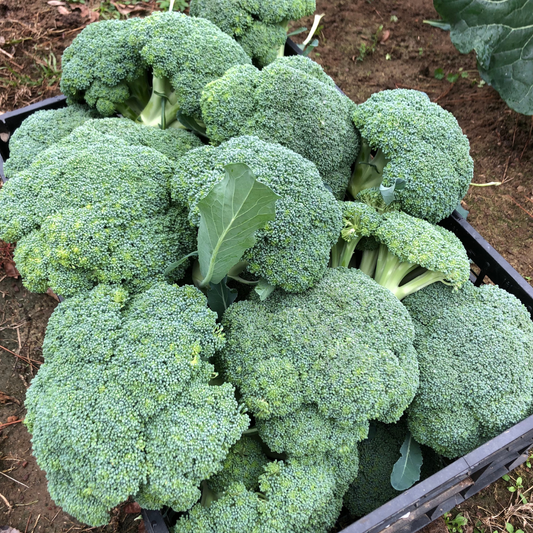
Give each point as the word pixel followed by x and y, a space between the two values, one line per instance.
pixel 264 289
pixel 501 33
pixel 220 297
pixel 230 214
pixel 406 470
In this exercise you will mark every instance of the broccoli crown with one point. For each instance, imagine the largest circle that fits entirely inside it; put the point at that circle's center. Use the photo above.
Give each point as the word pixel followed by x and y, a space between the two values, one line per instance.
pixel 297 496
pixel 172 142
pixel 109 65
pixel 476 365
pixel 41 130
pixel 260 27
pixel 412 253
pixel 292 102
pixel 342 349
pixel 292 251
pixel 421 144
pixel 244 463
pixel 123 407
pixel 190 52
pixel 418 242
pixel 102 68
pixel 83 215
pixel 302 432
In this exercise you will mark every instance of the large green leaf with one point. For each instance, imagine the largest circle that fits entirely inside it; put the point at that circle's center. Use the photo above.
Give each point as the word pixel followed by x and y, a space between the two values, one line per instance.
pixel 230 214
pixel 406 470
pixel 220 297
pixel 501 33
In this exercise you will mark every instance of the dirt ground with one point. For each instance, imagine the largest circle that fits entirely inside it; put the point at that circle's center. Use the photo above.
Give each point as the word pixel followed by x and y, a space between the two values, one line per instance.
pixel 366 46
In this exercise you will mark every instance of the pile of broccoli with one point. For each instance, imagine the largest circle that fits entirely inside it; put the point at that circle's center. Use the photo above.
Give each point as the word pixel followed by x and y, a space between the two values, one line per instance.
pixel 342 320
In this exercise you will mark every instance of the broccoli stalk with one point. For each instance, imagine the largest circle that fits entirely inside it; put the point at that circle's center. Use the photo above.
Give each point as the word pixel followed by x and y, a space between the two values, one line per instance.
pixel 368 171
pixel 162 107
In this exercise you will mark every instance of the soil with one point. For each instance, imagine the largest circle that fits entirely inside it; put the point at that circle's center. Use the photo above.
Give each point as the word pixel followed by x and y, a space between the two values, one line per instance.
pixel 366 46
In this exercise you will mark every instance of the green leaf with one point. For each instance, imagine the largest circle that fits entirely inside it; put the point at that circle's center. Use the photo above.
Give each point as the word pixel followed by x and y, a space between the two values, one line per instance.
pixel 509 527
pixel 439 73
pixel 462 211
pixel 230 214
pixel 439 24
pixel 191 124
pixel 175 265
pixel 501 33
pixel 511 489
pixel 506 477
pixel 296 32
pixel 388 192
pixel 406 470
pixel 264 289
pixel 220 297
pixel 452 78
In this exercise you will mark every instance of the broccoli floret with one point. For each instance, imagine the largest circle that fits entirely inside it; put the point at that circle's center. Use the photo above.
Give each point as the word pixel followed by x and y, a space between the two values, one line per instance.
pixel 244 463
pixel 412 253
pixel 259 27
pixel 417 141
pixel 296 496
pixel 41 130
pixel 90 213
pixel 123 405
pixel 292 251
pixel 475 348
pixel 342 349
pixel 292 102
pixel 147 69
pixel 172 142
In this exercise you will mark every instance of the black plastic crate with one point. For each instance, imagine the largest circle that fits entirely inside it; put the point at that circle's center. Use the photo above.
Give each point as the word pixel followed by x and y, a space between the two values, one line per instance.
pixel 431 498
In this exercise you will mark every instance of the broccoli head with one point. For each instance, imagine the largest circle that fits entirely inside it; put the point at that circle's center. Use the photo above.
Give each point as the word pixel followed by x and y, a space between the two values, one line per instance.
pixel 259 27
pixel 292 102
pixel 123 405
pixel 321 363
pixel 297 496
pixel 412 253
pixel 418 142
pixel 475 349
pixel 41 130
pixel 87 213
pixel 292 251
pixel 147 69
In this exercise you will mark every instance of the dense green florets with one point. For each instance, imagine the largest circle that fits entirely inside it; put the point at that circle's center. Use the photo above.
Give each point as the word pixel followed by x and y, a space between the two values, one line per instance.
pixel 292 251
pixel 259 27
pixel 419 142
pixel 292 102
pixel 244 464
pixel 342 349
pixel 172 142
pixel 123 407
pixel 39 131
pixel 296 496
pixel 475 349
pixel 99 212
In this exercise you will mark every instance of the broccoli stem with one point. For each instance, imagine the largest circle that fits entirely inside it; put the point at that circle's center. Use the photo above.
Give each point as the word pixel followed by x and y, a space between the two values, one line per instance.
pixel 161 109
pixel 390 270
pixel 368 171
pixel 418 283
pixel 208 495
pixel 368 262
pixel 281 50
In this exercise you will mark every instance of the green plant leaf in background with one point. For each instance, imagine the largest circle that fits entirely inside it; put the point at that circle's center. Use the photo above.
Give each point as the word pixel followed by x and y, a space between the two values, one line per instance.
pixel 264 289
pixel 501 33
pixel 406 470
pixel 220 297
pixel 230 214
